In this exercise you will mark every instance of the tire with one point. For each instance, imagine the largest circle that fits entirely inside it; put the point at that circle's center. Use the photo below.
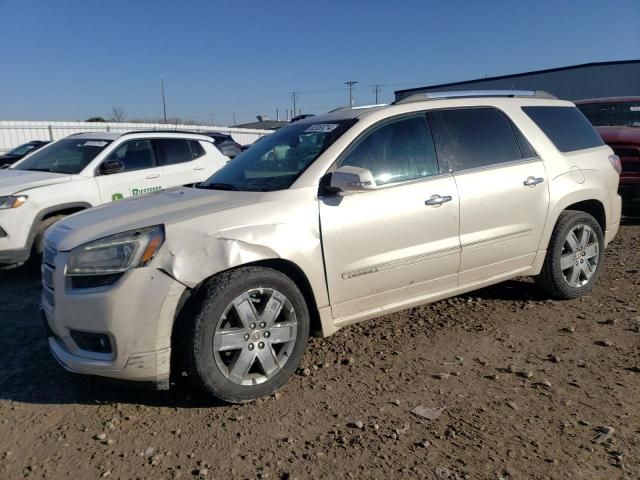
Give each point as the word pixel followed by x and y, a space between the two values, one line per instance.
pixel 227 303
pixel 559 283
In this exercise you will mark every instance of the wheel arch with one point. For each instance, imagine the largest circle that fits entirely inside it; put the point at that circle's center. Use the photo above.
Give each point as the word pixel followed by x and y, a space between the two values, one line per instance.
pixel 286 267
pixel 61 209
pixel 588 202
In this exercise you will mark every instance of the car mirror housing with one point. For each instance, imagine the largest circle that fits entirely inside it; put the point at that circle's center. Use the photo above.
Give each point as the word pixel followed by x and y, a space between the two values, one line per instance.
pixel 109 167
pixel 350 179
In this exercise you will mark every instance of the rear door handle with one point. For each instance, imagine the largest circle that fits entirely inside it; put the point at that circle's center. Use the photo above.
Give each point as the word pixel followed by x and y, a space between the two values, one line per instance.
pixel 198 168
pixel 437 200
pixel 152 176
pixel 533 181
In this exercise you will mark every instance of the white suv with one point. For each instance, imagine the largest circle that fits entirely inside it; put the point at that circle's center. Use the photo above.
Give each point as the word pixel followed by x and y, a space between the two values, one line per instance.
pixel 89 169
pixel 329 221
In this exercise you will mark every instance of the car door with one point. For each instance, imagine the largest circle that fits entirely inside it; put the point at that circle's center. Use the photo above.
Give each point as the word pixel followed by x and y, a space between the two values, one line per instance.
pixel 399 241
pixel 180 164
pixel 503 188
pixel 140 173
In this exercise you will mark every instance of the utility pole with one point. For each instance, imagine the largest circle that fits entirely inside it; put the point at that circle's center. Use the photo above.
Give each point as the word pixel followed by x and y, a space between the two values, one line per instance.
pixel 234 118
pixel 294 98
pixel 211 115
pixel 376 90
pixel 164 103
pixel 350 84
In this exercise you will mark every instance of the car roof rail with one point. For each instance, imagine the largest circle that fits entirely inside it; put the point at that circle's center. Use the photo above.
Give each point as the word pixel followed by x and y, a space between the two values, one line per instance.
pixel 161 130
pixel 358 107
pixel 422 96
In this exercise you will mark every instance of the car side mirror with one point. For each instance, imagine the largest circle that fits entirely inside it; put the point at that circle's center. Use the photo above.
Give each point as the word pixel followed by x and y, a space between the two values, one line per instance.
pixel 350 179
pixel 109 167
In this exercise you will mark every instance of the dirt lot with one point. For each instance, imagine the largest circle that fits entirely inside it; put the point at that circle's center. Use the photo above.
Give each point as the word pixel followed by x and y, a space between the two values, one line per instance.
pixel 529 389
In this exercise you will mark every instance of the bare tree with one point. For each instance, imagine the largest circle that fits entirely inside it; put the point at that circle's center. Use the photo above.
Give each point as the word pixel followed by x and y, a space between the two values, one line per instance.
pixel 117 114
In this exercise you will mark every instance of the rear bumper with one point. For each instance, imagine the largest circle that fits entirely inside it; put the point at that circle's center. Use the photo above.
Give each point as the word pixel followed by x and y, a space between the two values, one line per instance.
pixel 614 215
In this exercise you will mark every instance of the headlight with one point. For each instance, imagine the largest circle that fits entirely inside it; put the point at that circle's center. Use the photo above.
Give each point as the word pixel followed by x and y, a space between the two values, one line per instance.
pixel 12 201
pixel 116 253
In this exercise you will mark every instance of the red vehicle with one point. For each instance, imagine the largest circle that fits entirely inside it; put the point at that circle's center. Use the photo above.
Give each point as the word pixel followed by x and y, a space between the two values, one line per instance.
pixel 617 119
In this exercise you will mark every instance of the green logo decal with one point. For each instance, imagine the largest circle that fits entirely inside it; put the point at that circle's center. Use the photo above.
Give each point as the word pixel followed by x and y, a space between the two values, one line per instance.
pixel 116 196
pixel 141 191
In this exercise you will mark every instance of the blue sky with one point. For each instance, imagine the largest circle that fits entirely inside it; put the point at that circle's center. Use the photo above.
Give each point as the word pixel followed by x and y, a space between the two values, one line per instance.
pixel 71 59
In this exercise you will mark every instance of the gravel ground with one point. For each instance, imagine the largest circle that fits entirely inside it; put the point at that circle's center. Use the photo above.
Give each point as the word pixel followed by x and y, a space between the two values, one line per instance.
pixel 508 385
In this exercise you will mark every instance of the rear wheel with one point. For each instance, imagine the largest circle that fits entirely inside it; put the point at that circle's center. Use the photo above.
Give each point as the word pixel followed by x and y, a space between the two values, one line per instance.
pixel 247 334
pixel 574 257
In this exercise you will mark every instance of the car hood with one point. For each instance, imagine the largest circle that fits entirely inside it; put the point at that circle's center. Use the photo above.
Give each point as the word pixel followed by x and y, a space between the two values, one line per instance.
pixel 619 134
pixel 14 181
pixel 166 207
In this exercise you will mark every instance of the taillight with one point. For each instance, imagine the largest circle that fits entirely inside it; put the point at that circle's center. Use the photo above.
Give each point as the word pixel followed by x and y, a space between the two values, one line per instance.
pixel 615 162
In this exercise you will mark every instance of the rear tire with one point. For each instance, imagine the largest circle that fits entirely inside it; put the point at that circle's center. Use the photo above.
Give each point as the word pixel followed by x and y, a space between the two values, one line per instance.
pixel 574 256
pixel 233 348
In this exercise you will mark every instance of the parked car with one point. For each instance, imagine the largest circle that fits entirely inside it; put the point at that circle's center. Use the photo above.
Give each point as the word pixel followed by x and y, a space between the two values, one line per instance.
pixel 225 143
pixel 89 169
pixel 12 156
pixel 246 147
pixel 617 120
pixel 329 221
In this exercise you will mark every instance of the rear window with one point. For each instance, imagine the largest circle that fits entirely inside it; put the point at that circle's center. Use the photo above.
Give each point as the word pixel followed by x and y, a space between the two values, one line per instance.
pixel 566 127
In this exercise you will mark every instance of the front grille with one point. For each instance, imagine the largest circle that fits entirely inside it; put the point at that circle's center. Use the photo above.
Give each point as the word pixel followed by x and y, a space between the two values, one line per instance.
pixel 48 271
pixel 629 157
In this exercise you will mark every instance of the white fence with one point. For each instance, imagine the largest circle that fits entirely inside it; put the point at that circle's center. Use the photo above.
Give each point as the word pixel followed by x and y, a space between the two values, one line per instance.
pixel 14 133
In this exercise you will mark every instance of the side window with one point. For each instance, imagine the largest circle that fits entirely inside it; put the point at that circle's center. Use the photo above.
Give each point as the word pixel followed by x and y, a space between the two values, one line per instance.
pixel 172 151
pixel 566 127
pixel 474 137
pixel 395 152
pixel 134 155
pixel 196 148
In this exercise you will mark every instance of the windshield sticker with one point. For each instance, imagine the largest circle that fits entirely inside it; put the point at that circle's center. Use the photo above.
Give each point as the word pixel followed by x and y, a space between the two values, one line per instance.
pixel 322 127
pixel 94 143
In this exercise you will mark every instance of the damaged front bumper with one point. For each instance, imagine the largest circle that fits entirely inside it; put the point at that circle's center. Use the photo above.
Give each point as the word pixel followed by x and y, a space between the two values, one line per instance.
pixel 135 314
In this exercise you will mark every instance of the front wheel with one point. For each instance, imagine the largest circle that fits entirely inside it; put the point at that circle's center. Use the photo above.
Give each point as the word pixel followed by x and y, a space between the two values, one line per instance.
pixel 247 333
pixel 574 256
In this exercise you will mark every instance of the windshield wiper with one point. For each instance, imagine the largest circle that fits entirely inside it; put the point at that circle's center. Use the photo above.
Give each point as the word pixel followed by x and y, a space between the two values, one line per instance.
pixel 219 186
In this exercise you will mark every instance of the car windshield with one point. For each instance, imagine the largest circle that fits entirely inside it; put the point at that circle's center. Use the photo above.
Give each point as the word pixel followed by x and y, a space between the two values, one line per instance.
pixel 22 149
pixel 70 155
pixel 277 161
pixel 604 114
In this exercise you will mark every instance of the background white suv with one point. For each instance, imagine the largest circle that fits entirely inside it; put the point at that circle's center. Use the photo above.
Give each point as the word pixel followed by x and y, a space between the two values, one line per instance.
pixel 89 169
pixel 326 222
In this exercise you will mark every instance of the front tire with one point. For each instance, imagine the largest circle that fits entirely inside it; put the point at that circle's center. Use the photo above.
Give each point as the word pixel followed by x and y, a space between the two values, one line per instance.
pixel 574 256
pixel 247 330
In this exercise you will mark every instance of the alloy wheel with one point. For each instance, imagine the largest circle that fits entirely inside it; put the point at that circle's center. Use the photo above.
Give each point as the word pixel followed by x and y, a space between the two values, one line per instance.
pixel 580 255
pixel 255 336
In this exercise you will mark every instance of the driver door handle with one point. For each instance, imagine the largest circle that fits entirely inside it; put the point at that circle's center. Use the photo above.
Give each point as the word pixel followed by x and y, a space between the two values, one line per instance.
pixel 198 168
pixel 437 200
pixel 152 176
pixel 533 181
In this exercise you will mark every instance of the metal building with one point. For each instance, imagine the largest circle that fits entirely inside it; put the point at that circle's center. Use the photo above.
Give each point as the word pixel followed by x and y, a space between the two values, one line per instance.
pixel 575 82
